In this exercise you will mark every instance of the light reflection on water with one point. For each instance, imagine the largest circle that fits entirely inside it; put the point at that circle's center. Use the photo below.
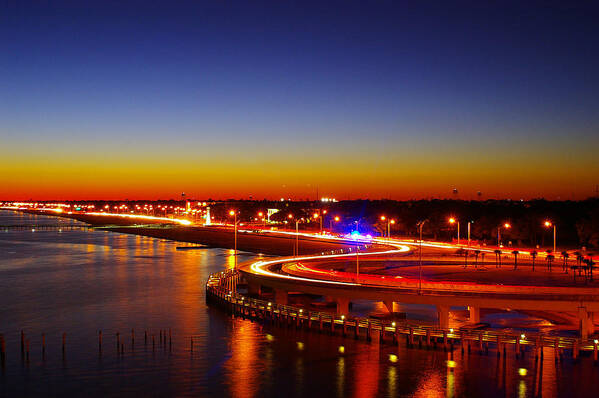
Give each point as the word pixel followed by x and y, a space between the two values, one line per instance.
pixel 83 281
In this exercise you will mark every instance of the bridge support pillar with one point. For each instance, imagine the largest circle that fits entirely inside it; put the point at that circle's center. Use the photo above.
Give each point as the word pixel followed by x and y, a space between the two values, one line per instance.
pixel 474 314
pixel 254 288
pixel 443 313
pixel 281 296
pixel 392 306
pixel 342 305
pixel 585 321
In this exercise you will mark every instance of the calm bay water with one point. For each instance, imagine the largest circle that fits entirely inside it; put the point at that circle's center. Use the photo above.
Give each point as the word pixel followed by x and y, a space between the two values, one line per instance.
pixel 83 281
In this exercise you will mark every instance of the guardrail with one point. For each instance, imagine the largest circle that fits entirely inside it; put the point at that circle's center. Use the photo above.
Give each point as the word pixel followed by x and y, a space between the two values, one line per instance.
pixel 42 227
pixel 221 290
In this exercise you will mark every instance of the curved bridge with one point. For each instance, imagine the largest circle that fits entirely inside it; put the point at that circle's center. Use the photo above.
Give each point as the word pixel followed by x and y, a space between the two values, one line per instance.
pixel 305 274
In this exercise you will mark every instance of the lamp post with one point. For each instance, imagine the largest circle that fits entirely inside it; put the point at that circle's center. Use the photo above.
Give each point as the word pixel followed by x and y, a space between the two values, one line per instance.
pixel 469 222
pixel 549 224
pixel 317 216
pixel 290 216
pixel 261 215
pixel 357 264
pixel 506 226
pixel 389 222
pixel 234 214
pixel 336 219
pixel 420 225
pixel 296 237
pixel 454 221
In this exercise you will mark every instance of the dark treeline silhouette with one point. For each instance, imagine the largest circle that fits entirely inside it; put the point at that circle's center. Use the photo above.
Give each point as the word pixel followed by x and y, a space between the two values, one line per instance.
pixel 577 222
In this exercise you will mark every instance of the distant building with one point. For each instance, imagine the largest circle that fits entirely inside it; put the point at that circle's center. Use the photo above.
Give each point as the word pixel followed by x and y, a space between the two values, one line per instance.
pixel 270 212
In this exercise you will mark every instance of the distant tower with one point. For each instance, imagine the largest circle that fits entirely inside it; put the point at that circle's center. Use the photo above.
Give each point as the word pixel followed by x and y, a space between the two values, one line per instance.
pixel 479 194
pixel 455 192
pixel 208 221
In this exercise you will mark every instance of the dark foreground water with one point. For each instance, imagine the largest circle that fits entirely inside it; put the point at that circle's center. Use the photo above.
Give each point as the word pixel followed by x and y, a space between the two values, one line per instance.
pixel 80 282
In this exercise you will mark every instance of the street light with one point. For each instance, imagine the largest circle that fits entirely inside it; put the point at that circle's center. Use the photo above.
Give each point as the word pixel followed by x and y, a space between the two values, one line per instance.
pixel 316 216
pixel 420 225
pixel 549 224
pixel 506 226
pixel 389 222
pixel 296 246
pixel 234 214
pixel 357 264
pixel 454 221
pixel 297 237
pixel 469 222
pixel 336 219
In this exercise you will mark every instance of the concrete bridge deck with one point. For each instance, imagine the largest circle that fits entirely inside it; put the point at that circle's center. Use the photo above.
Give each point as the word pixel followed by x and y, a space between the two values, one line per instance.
pixel 304 274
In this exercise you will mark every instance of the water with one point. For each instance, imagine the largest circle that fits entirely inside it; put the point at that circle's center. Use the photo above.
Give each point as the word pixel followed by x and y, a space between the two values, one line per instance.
pixel 81 281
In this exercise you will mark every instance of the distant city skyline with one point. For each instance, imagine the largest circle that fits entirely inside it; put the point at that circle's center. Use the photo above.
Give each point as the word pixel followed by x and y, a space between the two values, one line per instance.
pixel 115 100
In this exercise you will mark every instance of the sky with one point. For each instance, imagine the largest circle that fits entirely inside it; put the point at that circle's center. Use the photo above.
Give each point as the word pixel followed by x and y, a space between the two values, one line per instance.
pixel 227 99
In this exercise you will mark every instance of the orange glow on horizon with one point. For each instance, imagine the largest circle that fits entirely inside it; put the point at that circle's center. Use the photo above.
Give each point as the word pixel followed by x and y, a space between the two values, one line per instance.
pixel 108 173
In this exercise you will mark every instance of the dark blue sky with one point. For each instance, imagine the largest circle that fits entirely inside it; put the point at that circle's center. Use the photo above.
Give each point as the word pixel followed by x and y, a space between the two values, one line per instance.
pixel 370 78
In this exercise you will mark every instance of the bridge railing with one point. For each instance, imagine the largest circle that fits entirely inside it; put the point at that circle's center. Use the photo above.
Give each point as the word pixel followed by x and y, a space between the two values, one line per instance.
pixel 222 287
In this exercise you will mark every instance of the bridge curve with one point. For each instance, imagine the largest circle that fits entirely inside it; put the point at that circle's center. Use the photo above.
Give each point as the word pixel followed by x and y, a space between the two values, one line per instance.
pixel 301 274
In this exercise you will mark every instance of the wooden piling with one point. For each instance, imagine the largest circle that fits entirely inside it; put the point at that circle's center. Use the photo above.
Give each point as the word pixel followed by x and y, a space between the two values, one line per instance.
pixel 64 342
pixel 320 322
pixel 480 342
pixel 43 345
pixel 145 337
pixel 132 338
pixel 100 341
pixel 2 348
pixel 369 331
pixel 191 344
pixel 22 342
pixel 498 346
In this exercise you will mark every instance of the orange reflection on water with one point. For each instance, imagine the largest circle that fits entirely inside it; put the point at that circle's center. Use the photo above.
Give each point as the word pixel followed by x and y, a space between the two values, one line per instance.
pixel 431 386
pixel 244 366
pixel 367 371
pixel 230 259
pixel 340 377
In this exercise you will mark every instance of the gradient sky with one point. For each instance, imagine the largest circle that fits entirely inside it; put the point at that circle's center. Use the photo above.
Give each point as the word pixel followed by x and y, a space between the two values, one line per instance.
pixel 146 99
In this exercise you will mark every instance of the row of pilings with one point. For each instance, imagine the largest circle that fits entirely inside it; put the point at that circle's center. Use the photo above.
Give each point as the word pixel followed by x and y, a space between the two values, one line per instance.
pixel 162 340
